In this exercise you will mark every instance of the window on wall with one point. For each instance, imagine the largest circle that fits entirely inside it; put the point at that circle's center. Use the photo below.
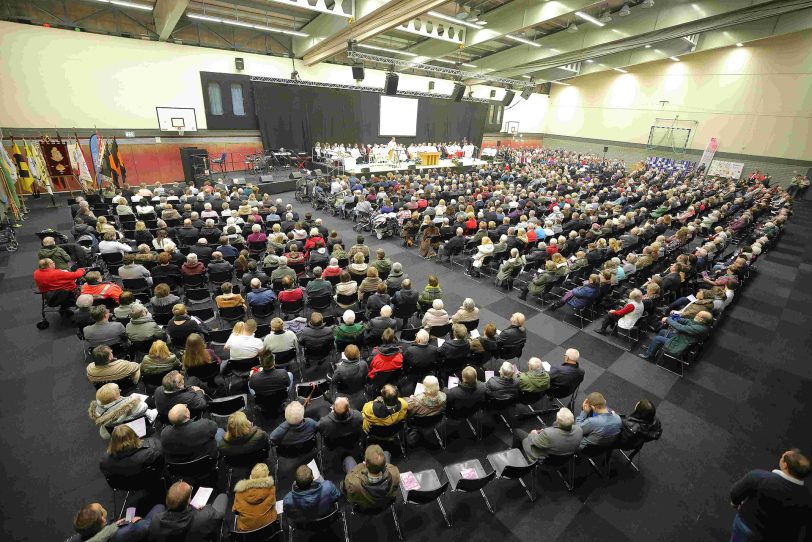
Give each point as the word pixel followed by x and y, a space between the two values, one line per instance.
pixel 215 99
pixel 236 100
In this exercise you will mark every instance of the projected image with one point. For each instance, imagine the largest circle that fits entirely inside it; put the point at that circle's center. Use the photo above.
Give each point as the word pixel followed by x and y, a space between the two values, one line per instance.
pixel 398 117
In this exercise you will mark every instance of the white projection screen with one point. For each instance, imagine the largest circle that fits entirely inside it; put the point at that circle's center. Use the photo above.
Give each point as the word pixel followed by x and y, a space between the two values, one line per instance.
pixel 398 117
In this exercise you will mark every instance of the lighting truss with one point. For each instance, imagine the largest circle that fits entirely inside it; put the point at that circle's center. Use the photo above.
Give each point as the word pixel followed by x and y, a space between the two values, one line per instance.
pixel 358 55
pixel 340 86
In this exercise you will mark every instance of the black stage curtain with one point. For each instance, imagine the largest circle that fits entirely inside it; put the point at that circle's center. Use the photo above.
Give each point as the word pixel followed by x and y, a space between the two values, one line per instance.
pixel 295 117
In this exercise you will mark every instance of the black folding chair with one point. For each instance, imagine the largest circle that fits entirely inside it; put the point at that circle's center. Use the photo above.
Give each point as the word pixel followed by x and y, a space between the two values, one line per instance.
pixel 429 490
pixel 512 465
pixel 470 477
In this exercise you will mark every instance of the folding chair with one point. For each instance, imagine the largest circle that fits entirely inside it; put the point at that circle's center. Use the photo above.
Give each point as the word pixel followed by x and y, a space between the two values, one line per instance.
pixel 469 477
pixel 266 533
pixel 223 407
pixel 371 512
pixel 429 490
pixel 318 525
pixel 512 465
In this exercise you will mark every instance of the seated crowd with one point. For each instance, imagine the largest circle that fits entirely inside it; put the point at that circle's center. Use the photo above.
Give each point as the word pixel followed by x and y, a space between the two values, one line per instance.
pixel 214 293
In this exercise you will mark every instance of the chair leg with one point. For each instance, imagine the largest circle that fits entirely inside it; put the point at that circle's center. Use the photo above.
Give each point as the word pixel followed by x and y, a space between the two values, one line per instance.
pixel 529 493
pixel 445 517
pixel 397 525
pixel 344 524
pixel 123 505
pixel 487 503
pixel 473 430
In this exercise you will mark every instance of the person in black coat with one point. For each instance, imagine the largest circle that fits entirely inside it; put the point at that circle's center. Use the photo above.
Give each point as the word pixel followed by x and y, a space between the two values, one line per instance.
pixel 202 249
pixel 164 269
pixel 639 427
pixel 672 281
pixel 350 375
pixel 270 380
pixel 182 523
pixel 406 296
pixel 174 391
pixel 128 455
pixel 421 357
pixel 342 428
pixel 378 300
pixel 469 394
pixel 565 378
pixel 316 336
pixel 376 326
pixel 186 439
pixel 218 264
pixel 503 386
pixel 457 348
pixel 242 438
pixel 452 246
pixel 514 336
pixel 182 325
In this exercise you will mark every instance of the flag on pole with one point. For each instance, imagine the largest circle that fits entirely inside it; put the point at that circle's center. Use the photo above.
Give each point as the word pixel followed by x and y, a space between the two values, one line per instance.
pixel 26 181
pixel 117 162
pixel 106 169
pixel 83 173
pixel 96 156
pixel 37 167
pixel 9 171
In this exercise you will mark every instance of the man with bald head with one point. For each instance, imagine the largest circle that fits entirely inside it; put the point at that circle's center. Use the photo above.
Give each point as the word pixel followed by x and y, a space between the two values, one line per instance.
pixel 58 285
pixel 90 523
pixel 341 430
pixel 180 522
pixel 186 439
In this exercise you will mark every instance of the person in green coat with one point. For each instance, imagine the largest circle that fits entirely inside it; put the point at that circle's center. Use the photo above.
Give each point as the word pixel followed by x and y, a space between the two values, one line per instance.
pixel 536 379
pixel 57 254
pixel 348 330
pixel 681 334
pixel 381 263
pixel 510 267
pixel 537 284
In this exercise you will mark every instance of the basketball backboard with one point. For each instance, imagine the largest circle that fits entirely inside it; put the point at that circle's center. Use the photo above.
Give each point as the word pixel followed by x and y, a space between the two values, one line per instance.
pixel 177 119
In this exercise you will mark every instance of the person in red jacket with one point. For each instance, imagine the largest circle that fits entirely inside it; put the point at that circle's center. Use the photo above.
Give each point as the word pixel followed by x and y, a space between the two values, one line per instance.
pixel 291 292
pixel 58 285
pixel 387 356
pixel 100 290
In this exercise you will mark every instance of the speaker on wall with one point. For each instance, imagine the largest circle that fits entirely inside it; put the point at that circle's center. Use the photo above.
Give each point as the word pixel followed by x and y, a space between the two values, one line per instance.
pixel 431 85
pixel 526 93
pixel 295 175
pixel 391 86
pixel 544 88
pixel 458 92
pixel 365 170
pixel 493 94
pixel 358 72
pixel 508 97
pixel 239 63
pixel 606 149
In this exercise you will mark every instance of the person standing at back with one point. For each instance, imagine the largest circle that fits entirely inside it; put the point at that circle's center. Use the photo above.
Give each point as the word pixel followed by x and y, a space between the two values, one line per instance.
pixel 773 505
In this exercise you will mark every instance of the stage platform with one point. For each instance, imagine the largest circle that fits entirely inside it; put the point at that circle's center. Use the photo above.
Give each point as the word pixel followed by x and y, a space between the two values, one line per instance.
pixel 360 169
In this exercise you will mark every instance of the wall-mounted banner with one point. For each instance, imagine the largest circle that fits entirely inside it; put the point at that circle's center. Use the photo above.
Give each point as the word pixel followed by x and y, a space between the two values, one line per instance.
pixel 723 168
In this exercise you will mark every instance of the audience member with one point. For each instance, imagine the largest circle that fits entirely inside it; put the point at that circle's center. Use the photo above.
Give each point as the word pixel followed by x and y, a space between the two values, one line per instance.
pixel 296 429
pixel 503 386
pixel 242 438
pixel 103 331
pixel 110 408
pixel 309 499
pixel 182 523
pixel 600 425
pixel 186 439
pixel 386 409
pixel 373 484
pixel 565 378
pixel 562 439
pixel 255 499
pixel 104 368
pixel 535 379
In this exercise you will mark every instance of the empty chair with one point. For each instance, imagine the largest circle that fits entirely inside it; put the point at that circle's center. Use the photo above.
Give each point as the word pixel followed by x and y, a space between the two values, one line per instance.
pixel 144 480
pixel 469 476
pixel 423 487
pixel 559 464
pixel 512 465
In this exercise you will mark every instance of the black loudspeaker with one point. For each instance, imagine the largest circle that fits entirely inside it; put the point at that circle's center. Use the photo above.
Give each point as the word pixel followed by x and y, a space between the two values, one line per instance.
pixel 187 160
pixel 239 63
pixel 493 94
pixel 431 85
pixel 508 97
pixel 391 86
pixel 458 92
pixel 295 175
pixel 238 180
pixel 358 72
pixel 498 142
pixel 544 88
pixel 365 170
pixel 412 167
pixel 606 149
pixel 526 93
pixel 266 178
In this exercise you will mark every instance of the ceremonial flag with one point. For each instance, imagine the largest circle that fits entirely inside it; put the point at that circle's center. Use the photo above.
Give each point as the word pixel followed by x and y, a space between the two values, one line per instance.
pixel 26 181
pixel 36 164
pixel 96 156
pixel 10 175
pixel 83 173
pixel 106 170
pixel 117 163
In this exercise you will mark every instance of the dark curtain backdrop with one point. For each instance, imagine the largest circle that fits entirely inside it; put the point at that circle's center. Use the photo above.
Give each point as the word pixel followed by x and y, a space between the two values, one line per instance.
pixel 295 117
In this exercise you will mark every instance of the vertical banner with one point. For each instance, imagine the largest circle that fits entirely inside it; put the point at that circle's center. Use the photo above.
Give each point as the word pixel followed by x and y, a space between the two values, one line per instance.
pixel 707 156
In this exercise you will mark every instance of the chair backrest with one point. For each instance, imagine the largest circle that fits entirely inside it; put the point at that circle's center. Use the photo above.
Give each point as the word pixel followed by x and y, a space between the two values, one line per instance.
pixel 219 277
pixel 204 313
pixel 514 472
pixel 126 384
pixel 510 351
pixel 471 324
pixel 318 353
pixel 232 313
pixel 320 302
pixel 496 405
pixel 206 373
pixel 196 295
pixel 381 378
pixel 404 311
pixel 242 365
pixel 202 466
pixel 142 480
pixel 440 331
pixel 426 421
pixel 531 397
pixel 193 280
pixel 226 406
pixel 288 307
pixel 153 380
pixel 386 432
pixel 475 484
pixel 266 533
pixel 409 334
pixel 556 461
pixel 316 525
pixel 263 311
pixel 219 336
pixel 273 402
pixel 346 299
pixel 292 451
pixel 419 496
pixel 135 284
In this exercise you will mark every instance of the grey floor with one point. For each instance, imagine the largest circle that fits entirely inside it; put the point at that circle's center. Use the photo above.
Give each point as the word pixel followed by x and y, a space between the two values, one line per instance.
pixel 737 409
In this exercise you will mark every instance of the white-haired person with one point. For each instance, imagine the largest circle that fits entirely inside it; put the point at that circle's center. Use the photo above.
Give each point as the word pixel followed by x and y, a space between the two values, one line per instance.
pixel 109 407
pixel 348 330
pixel 535 379
pixel 296 429
pixel 563 438
pixel 625 317
pixel 468 312
pixel 436 315
pixel 192 266
pixel 504 385
pixel 49 249
pixel 429 402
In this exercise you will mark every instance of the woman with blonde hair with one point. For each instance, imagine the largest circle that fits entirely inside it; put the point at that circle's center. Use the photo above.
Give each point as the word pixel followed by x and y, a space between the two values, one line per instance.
pixel 358 268
pixel 159 360
pixel 128 455
pixel 109 407
pixel 242 437
pixel 484 250
pixel 370 283
pixel 255 499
